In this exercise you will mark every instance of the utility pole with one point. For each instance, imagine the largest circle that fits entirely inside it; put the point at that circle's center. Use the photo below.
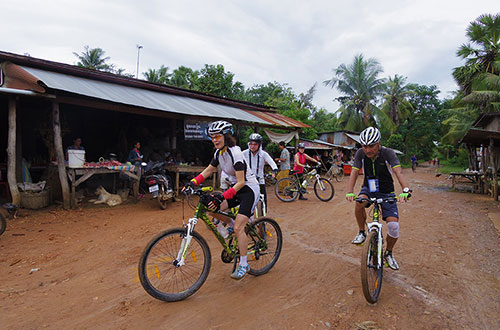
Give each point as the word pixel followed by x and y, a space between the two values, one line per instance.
pixel 139 47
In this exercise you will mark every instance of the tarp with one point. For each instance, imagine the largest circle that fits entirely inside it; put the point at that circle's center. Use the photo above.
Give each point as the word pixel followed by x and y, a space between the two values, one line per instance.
pixel 278 137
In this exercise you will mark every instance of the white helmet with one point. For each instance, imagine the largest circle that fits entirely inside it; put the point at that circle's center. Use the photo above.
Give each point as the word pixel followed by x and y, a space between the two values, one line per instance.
pixel 370 135
pixel 256 137
pixel 219 127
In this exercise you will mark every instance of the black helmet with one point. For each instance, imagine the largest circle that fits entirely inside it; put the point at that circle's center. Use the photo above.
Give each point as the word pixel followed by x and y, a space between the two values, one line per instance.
pixel 301 145
pixel 219 127
pixel 256 137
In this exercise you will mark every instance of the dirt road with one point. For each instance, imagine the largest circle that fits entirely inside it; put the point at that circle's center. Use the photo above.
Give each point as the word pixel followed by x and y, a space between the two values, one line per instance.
pixel 78 269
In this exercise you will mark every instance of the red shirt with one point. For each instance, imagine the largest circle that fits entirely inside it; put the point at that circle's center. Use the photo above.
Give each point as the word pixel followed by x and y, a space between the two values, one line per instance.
pixel 302 160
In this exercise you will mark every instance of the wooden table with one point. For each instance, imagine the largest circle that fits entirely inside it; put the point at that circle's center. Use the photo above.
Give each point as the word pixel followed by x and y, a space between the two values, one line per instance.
pixel 85 173
pixel 186 169
pixel 470 178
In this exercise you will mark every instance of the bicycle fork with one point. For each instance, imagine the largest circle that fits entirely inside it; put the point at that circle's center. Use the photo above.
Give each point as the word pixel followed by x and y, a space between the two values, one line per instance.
pixel 186 241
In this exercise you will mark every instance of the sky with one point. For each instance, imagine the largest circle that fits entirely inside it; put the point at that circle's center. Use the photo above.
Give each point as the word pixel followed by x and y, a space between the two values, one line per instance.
pixel 298 43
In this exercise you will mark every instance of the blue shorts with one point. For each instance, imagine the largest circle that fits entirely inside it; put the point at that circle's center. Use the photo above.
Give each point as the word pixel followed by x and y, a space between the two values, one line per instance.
pixel 388 209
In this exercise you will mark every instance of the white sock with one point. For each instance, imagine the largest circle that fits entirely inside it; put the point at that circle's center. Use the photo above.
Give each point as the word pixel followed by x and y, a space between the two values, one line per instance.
pixel 243 261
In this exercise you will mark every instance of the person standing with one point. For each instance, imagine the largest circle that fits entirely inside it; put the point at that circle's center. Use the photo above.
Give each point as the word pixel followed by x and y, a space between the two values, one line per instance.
pixel 378 164
pixel 300 161
pixel 77 145
pixel 284 161
pixel 257 158
pixel 135 156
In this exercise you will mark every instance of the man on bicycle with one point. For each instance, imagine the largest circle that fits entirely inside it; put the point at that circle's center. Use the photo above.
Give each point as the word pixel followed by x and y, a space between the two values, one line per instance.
pixel 378 165
pixel 300 161
pixel 244 191
pixel 257 158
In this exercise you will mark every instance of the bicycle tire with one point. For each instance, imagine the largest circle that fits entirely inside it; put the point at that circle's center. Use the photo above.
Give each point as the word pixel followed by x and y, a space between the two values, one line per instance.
pixel 3 223
pixel 289 192
pixel 328 194
pixel 371 274
pixel 161 278
pixel 162 197
pixel 264 245
pixel 340 175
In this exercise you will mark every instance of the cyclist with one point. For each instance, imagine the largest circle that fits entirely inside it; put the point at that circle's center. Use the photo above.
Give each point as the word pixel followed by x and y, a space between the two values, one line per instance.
pixel 245 189
pixel 257 158
pixel 378 165
pixel 413 163
pixel 300 162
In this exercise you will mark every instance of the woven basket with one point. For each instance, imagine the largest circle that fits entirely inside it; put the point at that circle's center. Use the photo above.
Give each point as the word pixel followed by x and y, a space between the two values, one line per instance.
pixel 38 200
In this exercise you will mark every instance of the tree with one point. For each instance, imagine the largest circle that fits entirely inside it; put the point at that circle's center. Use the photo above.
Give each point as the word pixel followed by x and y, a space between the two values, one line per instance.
pixel 160 76
pixel 184 77
pixel 214 80
pixel 396 105
pixel 93 58
pixel 360 85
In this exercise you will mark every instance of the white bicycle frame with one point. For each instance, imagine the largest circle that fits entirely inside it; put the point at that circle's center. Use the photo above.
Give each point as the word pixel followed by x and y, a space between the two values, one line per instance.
pixel 376 225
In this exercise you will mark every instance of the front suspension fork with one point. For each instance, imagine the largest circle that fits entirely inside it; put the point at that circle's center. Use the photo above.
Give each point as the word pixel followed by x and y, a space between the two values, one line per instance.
pixel 186 241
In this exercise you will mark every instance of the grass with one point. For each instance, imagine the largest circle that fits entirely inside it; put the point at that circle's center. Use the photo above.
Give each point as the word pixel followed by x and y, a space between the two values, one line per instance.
pixel 447 167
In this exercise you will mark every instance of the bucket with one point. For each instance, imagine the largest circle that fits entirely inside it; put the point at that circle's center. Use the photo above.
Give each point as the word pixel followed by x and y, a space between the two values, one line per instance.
pixel 76 158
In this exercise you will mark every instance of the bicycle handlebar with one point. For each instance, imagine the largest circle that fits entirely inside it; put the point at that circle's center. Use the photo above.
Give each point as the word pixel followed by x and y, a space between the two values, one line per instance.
pixel 375 200
pixel 199 191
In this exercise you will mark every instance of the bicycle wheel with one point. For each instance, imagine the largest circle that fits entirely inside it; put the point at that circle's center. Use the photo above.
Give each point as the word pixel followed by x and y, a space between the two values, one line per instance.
pixel 371 273
pixel 323 189
pixel 160 276
pixel 264 245
pixel 162 197
pixel 287 190
pixel 3 223
pixel 340 175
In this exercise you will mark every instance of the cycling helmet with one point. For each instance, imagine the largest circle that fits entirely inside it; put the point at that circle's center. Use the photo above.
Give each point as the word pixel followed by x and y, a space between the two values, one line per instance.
pixel 370 135
pixel 255 137
pixel 219 127
pixel 301 145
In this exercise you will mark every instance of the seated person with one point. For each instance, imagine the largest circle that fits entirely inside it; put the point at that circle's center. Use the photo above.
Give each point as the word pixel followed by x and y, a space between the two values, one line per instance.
pixel 77 145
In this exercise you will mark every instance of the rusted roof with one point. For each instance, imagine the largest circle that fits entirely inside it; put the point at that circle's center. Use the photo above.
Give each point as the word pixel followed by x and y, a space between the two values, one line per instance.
pixel 142 94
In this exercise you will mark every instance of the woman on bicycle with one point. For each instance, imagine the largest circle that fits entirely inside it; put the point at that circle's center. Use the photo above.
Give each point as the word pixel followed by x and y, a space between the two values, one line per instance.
pixel 245 189
pixel 300 161
pixel 257 158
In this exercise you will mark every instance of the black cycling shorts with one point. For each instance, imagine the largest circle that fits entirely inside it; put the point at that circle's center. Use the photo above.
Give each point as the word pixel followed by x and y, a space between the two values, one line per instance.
pixel 245 198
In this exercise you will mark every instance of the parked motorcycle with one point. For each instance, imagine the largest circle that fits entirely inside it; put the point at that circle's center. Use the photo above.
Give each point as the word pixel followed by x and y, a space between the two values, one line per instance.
pixel 159 182
pixel 10 212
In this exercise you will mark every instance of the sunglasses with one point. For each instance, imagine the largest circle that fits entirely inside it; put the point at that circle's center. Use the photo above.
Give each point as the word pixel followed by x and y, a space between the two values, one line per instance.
pixel 216 137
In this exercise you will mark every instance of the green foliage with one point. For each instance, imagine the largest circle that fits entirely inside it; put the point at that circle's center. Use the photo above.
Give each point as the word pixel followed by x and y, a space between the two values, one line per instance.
pixel 160 76
pixel 396 141
pixel 93 58
pixel 213 79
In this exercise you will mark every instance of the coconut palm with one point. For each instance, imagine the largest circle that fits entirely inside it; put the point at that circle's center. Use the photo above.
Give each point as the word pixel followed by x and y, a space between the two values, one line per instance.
pixel 360 85
pixel 93 58
pixel 160 76
pixel 480 52
pixel 184 77
pixel 396 105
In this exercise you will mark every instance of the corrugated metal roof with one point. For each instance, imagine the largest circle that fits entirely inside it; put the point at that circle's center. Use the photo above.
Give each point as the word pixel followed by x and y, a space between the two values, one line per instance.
pixel 277 119
pixel 142 97
pixel 354 137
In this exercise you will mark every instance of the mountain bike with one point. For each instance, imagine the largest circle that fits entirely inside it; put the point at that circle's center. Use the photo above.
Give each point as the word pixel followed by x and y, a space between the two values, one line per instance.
pixel 176 262
pixel 335 172
pixel 372 258
pixel 288 189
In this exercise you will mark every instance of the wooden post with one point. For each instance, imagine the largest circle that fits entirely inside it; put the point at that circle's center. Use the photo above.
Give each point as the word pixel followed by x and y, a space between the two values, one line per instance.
pixel 11 153
pixel 495 170
pixel 56 123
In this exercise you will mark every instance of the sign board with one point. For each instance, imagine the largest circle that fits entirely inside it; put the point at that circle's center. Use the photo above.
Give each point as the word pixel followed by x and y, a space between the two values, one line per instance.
pixel 195 130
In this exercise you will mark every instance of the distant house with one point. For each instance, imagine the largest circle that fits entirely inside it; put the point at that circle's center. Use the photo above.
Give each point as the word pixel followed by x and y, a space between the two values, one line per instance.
pixel 345 139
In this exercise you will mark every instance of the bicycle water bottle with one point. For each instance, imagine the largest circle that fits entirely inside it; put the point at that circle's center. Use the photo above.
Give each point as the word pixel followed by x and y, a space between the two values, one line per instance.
pixel 304 183
pixel 220 228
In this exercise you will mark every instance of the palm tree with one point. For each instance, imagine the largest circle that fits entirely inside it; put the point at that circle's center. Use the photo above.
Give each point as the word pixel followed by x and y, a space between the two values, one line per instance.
pixel 93 58
pixel 396 105
pixel 160 76
pixel 480 52
pixel 184 77
pixel 360 85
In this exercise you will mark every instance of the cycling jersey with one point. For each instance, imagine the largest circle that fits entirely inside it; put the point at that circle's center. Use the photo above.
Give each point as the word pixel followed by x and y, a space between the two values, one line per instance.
pixel 379 169
pixel 256 163
pixel 231 160
pixel 302 159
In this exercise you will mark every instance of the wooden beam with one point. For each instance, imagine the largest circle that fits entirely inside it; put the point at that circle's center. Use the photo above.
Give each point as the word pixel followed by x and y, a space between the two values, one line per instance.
pixel 60 155
pixel 11 152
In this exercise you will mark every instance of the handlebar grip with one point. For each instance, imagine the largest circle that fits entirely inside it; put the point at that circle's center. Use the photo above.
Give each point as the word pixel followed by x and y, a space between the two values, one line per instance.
pixel 209 188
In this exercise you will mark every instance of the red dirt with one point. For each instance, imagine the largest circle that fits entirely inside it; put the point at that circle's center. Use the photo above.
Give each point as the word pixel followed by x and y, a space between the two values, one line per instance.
pixel 86 269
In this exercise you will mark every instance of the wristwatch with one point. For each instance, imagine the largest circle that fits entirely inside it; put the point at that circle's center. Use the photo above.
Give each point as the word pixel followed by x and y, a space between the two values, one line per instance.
pixel 406 190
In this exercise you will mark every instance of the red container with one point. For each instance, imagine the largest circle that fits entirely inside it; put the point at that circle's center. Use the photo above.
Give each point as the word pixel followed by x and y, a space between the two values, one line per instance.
pixel 348 169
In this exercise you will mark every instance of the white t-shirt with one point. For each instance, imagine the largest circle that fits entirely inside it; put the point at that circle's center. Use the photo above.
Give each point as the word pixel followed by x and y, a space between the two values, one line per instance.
pixel 256 163
pixel 231 160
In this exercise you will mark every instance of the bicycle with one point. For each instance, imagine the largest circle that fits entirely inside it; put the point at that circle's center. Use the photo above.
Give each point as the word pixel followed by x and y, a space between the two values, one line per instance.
pixel 336 172
pixel 288 189
pixel 372 263
pixel 176 262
